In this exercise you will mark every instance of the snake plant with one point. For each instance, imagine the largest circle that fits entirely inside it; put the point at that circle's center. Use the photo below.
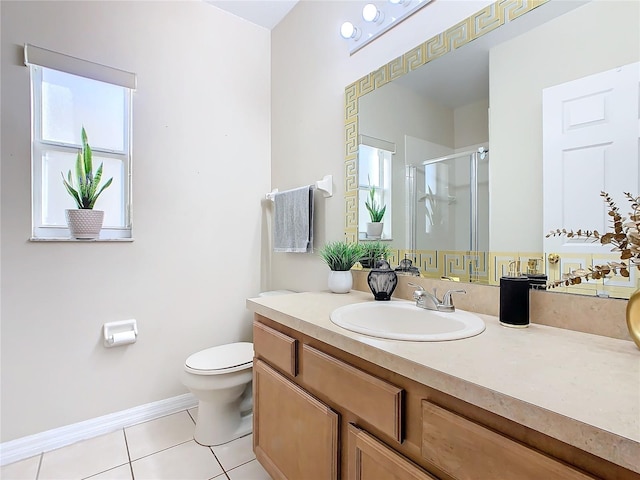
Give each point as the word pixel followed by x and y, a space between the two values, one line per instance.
pixel 376 212
pixel 85 192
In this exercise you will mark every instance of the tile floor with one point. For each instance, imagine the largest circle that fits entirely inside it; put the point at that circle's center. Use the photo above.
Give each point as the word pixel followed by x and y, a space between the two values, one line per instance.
pixel 159 449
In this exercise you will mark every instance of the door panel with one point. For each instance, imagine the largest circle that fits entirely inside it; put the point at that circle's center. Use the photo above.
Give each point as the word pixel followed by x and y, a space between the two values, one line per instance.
pixel 294 435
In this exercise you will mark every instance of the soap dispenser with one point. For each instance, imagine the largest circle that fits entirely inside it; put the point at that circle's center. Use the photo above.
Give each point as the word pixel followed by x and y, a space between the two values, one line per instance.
pixel 537 280
pixel 514 298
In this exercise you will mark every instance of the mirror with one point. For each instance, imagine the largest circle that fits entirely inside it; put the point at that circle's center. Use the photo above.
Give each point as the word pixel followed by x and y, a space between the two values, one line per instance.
pixel 534 46
pixel 375 198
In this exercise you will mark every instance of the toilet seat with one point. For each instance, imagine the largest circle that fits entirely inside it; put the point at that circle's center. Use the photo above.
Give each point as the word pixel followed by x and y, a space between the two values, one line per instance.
pixel 222 359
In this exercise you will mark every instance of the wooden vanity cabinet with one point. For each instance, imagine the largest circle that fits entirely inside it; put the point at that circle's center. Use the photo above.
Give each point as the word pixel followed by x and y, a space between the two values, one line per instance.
pixel 468 450
pixel 370 459
pixel 295 435
pixel 337 416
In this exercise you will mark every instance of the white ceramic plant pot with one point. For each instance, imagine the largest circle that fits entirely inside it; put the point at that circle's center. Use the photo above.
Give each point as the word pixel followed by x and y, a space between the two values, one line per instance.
pixel 84 224
pixel 374 230
pixel 340 282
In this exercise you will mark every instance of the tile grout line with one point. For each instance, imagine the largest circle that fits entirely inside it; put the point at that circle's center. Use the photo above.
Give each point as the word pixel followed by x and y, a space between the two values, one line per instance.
pixel 219 462
pixel 39 465
pixel 192 419
pixel 163 449
pixel 238 466
pixel 126 443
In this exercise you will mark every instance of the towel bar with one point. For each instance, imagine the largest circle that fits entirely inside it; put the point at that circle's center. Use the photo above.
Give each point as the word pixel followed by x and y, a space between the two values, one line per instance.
pixel 325 185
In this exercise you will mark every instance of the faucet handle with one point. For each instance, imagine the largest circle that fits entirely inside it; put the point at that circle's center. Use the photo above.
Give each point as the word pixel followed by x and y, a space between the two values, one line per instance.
pixel 417 293
pixel 447 301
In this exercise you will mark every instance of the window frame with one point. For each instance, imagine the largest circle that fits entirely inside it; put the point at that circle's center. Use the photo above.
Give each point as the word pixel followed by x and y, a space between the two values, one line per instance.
pixel 39 146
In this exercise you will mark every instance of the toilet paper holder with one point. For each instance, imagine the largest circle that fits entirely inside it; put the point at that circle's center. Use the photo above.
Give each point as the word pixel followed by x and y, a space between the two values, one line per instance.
pixel 119 333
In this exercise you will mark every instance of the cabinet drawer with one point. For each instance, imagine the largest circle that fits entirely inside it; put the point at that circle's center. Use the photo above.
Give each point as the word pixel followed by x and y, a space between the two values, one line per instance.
pixel 373 400
pixel 278 349
pixel 369 458
pixel 467 450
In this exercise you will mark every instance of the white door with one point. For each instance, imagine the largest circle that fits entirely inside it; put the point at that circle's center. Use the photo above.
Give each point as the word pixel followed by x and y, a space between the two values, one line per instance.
pixel 591 131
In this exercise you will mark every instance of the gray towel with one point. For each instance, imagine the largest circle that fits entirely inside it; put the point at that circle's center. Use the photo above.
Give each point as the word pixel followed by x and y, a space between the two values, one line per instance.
pixel 293 220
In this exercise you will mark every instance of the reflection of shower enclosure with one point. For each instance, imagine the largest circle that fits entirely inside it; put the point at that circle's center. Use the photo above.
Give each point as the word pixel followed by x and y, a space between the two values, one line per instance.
pixel 450 198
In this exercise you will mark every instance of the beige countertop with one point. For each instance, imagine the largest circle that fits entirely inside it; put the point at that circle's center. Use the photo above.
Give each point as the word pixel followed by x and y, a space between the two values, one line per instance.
pixel 579 388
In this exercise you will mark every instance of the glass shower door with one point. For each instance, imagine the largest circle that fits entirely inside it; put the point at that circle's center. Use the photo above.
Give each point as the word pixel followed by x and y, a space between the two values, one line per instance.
pixel 452 207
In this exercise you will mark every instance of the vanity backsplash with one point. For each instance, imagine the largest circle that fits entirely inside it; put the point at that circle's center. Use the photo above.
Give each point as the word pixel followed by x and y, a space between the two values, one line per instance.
pixel 598 316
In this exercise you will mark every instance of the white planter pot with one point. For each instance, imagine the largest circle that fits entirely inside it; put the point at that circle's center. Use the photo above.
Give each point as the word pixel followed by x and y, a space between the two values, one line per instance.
pixel 374 230
pixel 340 282
pixel 84 224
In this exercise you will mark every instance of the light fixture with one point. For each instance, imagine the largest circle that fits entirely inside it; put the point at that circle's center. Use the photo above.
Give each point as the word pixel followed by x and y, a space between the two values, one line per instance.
pixel 376 22
pixel 370 13
pixel 349 30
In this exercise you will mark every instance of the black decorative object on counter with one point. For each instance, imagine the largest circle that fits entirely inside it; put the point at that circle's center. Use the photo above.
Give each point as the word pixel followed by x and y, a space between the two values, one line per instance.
pixel 537 281
pixel 382 280
pixel 405 266
pixel 514 301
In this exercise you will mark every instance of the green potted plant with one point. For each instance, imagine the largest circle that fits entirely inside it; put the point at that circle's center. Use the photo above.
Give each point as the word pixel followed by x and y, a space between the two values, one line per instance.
pixel 84 222
pixel 376 213
pixel 340 256
pixel 372 252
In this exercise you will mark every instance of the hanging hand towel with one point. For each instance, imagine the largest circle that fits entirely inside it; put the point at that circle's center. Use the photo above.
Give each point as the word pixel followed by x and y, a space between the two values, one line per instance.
pixel 293 220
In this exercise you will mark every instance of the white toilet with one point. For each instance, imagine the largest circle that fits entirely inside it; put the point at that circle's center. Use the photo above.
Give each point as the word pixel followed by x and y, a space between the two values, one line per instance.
pixel 220 378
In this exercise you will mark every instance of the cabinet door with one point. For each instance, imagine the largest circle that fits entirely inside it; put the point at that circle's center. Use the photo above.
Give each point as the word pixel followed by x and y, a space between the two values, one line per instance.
pixel 370 459
pixel 294 435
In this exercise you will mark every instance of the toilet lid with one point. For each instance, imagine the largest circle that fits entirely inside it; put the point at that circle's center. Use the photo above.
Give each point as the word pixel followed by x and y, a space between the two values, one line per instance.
pixel 221 359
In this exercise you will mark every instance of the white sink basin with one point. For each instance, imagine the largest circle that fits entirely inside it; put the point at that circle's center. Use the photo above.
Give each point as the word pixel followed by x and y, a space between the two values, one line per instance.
pixel 399 320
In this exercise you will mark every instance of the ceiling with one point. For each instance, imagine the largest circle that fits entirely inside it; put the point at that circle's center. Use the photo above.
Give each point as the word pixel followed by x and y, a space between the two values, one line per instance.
pixel 462 76
pixel 266 13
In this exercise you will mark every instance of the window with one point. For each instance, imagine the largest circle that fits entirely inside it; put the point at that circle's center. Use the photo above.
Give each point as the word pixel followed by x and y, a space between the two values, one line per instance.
pixel 374 170
pixel 68 94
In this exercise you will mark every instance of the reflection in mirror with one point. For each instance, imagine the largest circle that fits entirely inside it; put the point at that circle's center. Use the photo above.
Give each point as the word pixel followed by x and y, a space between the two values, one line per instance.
pixel 527 47
pixel 375 188
pixel 451 198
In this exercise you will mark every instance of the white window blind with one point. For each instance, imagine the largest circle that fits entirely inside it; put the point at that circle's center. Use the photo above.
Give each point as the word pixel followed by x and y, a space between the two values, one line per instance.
pixel 64 63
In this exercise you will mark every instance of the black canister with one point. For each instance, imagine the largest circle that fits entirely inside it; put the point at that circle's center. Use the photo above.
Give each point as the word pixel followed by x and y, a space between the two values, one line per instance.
pixel 514 301
pixel 382 280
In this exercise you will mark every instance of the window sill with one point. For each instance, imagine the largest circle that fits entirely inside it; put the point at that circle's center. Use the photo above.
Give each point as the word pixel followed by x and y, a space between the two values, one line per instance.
pixel 76 240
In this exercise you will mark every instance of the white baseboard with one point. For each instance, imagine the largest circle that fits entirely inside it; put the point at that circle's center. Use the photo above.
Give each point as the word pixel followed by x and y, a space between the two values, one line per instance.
pixel 31 445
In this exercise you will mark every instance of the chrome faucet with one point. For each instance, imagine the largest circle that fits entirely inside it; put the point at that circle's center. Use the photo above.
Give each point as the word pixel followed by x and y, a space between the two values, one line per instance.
pixel 430 301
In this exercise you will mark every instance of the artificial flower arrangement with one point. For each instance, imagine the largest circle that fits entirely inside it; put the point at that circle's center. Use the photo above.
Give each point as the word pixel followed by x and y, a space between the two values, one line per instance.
pixel 624 238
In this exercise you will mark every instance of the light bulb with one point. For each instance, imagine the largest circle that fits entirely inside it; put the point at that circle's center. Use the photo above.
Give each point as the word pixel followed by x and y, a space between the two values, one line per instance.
pixel 370 13
pixel 349 30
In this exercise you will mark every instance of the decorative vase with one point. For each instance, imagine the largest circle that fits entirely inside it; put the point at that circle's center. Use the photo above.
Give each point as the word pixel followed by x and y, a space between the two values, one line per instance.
pixel 382 280
pixel 374 230
pixel 340 281
pixel 367 262
pixel 84 224
pixel 406 266
pixel 633 317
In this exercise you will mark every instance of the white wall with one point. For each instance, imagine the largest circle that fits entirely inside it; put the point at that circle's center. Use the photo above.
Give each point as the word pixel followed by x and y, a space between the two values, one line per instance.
pixel 201 165
pixel 567 48
pixel 471 125
pixel 310 68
